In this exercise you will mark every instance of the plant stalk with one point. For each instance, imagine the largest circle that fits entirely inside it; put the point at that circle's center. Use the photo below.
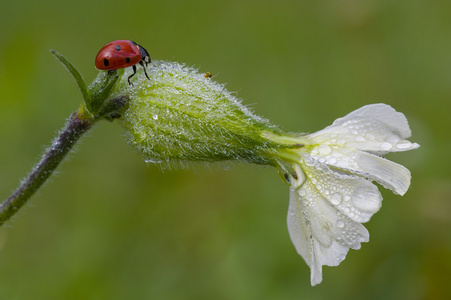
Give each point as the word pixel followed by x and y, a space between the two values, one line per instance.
pixel 78 123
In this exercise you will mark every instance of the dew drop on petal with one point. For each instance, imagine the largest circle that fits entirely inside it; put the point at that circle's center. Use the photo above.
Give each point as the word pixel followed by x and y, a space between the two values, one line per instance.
pixel 360 139
pixel 340 223
pixel 369 136
pixel 309 161
pixel 386 146
pixel 324 150
pixel 332 160
pixel 393 139
pixel 335 199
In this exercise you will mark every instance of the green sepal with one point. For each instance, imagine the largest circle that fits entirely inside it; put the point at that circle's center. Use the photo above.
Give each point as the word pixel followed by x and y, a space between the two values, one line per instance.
pixel 75 74
pixel 100 90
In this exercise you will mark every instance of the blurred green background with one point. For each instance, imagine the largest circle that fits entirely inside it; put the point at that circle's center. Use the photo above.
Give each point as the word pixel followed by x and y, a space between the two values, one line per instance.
pixel 108 226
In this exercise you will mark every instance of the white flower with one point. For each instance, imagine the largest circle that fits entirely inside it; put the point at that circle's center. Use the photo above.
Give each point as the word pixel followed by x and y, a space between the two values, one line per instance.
pixel 180 115
pixel 331 190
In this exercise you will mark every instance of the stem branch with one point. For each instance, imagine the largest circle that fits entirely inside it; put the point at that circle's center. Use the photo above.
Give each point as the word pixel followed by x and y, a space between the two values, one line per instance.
pixel 77 124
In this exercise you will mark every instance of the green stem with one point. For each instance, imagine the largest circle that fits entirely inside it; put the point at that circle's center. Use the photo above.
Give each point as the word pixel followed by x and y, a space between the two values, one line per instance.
pixel 78 123
pixel 96 105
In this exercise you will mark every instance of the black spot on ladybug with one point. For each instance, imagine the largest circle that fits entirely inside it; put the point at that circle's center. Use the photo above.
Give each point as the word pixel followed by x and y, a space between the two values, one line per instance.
pixel 106 62
pixel 118 47
pixel 127 59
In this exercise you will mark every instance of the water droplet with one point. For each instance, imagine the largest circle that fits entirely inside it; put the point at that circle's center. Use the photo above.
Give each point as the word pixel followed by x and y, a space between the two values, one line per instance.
pixel 360 139
pixel 386 146
pixel 335 199
pixel 324 149
pixel 309 162
pixel 369 136
pixel 331 160
pixel 340 223
pixel 341 142
pixel 155 117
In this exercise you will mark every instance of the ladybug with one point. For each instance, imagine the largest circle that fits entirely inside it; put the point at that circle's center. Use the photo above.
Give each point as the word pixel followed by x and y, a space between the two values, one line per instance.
pixel 122 54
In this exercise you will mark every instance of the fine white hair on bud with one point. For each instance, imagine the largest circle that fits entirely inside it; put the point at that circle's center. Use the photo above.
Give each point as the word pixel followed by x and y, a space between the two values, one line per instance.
pixel 181 114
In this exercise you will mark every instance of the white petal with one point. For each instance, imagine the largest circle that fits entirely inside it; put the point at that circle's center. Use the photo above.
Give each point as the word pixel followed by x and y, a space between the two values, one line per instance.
pixel 368 129
pixel 383 113
pixel 331 190
pixel 391 175
pixel 321 234
pixel 352 195
pixel 300 233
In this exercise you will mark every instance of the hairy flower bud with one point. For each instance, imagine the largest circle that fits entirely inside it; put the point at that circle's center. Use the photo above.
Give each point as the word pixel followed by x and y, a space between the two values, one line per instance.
pixel 183 115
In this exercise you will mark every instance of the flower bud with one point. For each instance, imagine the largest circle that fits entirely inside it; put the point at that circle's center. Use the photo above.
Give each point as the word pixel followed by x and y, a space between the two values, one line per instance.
pixel 183 115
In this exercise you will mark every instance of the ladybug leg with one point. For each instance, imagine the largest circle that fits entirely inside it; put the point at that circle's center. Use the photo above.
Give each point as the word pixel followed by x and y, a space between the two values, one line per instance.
pixel 134 72
pixel 144 68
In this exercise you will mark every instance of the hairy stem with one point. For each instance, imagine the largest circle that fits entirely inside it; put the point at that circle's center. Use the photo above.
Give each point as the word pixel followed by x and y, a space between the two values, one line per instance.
pixel 78 123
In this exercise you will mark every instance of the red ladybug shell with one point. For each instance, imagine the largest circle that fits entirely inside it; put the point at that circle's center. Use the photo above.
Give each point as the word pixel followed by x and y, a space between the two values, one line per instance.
pixel 117 55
